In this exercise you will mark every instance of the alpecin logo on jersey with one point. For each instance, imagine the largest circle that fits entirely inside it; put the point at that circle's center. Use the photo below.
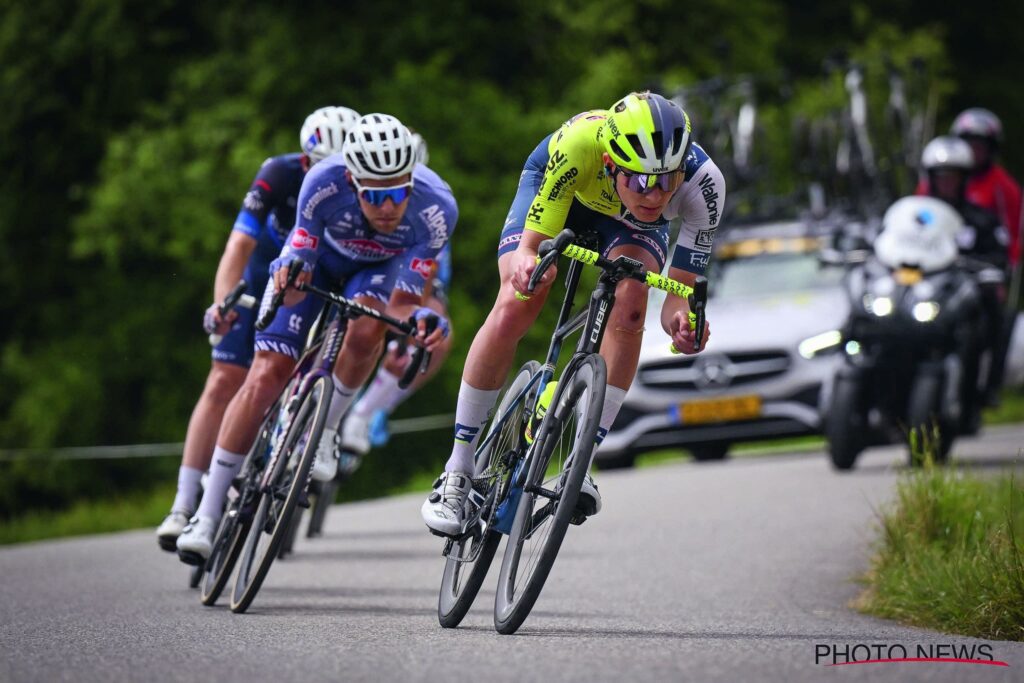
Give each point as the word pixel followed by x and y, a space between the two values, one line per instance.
pixel 301 239
pixel 369 250
pixel 424 266
pixel 436 222
pixel 318 196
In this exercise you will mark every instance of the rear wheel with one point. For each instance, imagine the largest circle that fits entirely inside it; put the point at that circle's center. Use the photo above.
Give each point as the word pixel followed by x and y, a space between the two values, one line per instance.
pixel 559 462
pixel 930 435
pixel 283 486
pixel 470 557
pixel 325 494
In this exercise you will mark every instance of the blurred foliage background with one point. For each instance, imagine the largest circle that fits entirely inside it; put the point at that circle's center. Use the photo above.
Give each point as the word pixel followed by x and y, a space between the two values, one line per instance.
pixel 131 130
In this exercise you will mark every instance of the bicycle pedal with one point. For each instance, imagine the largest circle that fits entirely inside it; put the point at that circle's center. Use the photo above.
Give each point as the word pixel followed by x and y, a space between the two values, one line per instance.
pixel 448 537
pixel 189 557
pixel 578 517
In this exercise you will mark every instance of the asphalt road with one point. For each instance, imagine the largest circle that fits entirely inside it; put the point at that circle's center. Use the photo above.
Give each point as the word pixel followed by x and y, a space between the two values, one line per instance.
pixel 733 571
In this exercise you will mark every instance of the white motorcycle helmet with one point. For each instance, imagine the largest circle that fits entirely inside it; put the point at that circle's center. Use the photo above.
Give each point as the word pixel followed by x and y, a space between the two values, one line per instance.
pixel 919 232
pixel 323 132
pixel 380 147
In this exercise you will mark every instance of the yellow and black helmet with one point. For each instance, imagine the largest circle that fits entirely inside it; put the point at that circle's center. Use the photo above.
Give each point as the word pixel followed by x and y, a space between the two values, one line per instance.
pixel 647 133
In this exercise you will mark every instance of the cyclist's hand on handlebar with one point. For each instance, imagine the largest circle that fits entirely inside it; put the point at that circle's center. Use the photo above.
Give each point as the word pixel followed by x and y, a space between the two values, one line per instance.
pixel 279 268
pixel 524 262
pixel 213 323
pixel 683 338
pixel 427 318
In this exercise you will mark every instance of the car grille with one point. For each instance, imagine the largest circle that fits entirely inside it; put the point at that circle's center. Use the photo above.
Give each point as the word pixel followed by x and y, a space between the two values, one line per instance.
pixel 708 372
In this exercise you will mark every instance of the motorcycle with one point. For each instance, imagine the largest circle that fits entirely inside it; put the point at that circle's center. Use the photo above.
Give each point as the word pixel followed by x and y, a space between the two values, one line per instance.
pixel 911 341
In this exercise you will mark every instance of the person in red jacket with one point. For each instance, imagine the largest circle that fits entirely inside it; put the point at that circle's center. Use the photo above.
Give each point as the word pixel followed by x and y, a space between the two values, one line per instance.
pixel 990 185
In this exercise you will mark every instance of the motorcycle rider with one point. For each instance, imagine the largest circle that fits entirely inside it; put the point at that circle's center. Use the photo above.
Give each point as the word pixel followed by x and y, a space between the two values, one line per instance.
pixel 947 163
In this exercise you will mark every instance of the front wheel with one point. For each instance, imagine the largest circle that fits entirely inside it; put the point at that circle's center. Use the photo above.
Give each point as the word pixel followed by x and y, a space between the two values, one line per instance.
pixel 470 557
pixel 282 488
pixel 559 462
pixel 234 523
pixel 845 424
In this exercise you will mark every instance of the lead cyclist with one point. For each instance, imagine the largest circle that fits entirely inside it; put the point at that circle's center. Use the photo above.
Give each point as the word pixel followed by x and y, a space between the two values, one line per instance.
pixel 622 174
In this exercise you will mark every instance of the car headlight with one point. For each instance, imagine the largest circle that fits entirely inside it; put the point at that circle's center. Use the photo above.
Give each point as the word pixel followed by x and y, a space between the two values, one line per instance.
pixel 925 311
pixel 812 346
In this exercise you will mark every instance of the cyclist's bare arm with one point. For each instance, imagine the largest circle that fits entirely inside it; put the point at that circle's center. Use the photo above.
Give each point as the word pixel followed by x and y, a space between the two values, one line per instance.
pixel 232 264
pixel 675 312
pixel 526 260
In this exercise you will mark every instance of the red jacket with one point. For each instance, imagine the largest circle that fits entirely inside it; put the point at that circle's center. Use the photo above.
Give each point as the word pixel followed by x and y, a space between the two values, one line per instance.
pixel 996 191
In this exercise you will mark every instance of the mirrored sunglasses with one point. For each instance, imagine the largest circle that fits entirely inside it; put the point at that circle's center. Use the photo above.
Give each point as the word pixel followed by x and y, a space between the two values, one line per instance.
pixel 378 195
pixel 644 183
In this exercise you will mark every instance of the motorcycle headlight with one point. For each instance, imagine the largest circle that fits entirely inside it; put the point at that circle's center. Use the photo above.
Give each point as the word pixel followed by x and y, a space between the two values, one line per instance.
pixel 819 343
pixel 925 311
pixel 879 305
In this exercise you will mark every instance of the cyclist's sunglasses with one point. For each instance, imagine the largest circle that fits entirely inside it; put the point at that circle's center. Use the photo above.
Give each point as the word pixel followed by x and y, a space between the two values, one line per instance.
pixel 644 183
pixel 378 195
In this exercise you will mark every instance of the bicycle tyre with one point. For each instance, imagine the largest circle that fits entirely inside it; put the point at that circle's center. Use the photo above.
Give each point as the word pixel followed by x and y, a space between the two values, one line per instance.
pixel 456 597
pixel 308 422
pixel 580 388
pixel 234 523
pixel 328 490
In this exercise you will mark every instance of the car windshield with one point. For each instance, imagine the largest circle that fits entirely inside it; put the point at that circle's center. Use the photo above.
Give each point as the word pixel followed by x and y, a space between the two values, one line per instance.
pixel 770 274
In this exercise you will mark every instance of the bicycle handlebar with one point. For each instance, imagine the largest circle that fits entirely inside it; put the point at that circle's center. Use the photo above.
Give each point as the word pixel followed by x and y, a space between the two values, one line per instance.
pixel 236 297
pixel 696 296
pixel 354 309
pixel 268 316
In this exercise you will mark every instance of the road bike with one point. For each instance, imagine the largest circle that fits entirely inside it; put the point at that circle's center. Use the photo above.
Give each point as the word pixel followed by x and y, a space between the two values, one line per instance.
pixel 528 476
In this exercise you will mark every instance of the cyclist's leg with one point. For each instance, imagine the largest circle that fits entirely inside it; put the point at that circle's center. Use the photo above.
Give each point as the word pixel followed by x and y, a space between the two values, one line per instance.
pixel 366 423
pixel 276 350
pixel 490 358
pixel 231 360
pixel 492 351
pixel 624 333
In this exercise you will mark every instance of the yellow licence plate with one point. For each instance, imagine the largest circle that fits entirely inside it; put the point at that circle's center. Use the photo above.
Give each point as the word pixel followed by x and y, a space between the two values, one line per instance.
pixel 720 410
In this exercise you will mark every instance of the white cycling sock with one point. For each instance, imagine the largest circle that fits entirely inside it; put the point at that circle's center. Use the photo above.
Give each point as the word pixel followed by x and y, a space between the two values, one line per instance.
pixel 342 399
pixel 188 490
pixel 382 394
pixel 613 398
pixel 470 416
pixel 223 468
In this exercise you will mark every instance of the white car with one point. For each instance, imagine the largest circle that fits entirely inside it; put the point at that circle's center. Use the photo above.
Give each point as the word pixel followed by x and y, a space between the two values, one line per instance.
pixel 775 311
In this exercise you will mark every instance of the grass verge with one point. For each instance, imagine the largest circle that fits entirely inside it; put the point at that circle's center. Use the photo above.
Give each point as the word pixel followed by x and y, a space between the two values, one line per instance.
pixel 131 511
pixel 951 555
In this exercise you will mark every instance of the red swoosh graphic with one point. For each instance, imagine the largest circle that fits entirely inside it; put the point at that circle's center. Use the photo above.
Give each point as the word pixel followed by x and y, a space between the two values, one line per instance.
pixel 924 659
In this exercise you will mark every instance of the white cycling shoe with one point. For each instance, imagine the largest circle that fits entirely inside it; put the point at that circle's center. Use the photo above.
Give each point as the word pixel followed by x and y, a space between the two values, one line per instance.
pixel 326 464
pixel 442 510
pixel 589 502
pixel 169 530
pixel 196 540
pixel 355 435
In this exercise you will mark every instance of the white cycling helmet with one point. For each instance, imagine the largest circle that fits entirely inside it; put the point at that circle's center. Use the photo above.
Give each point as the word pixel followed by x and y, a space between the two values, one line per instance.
pixel 947 151
pixel 919 232
pixel 978 122
pixel 379 147
pixel 422 154
pixel 323 133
